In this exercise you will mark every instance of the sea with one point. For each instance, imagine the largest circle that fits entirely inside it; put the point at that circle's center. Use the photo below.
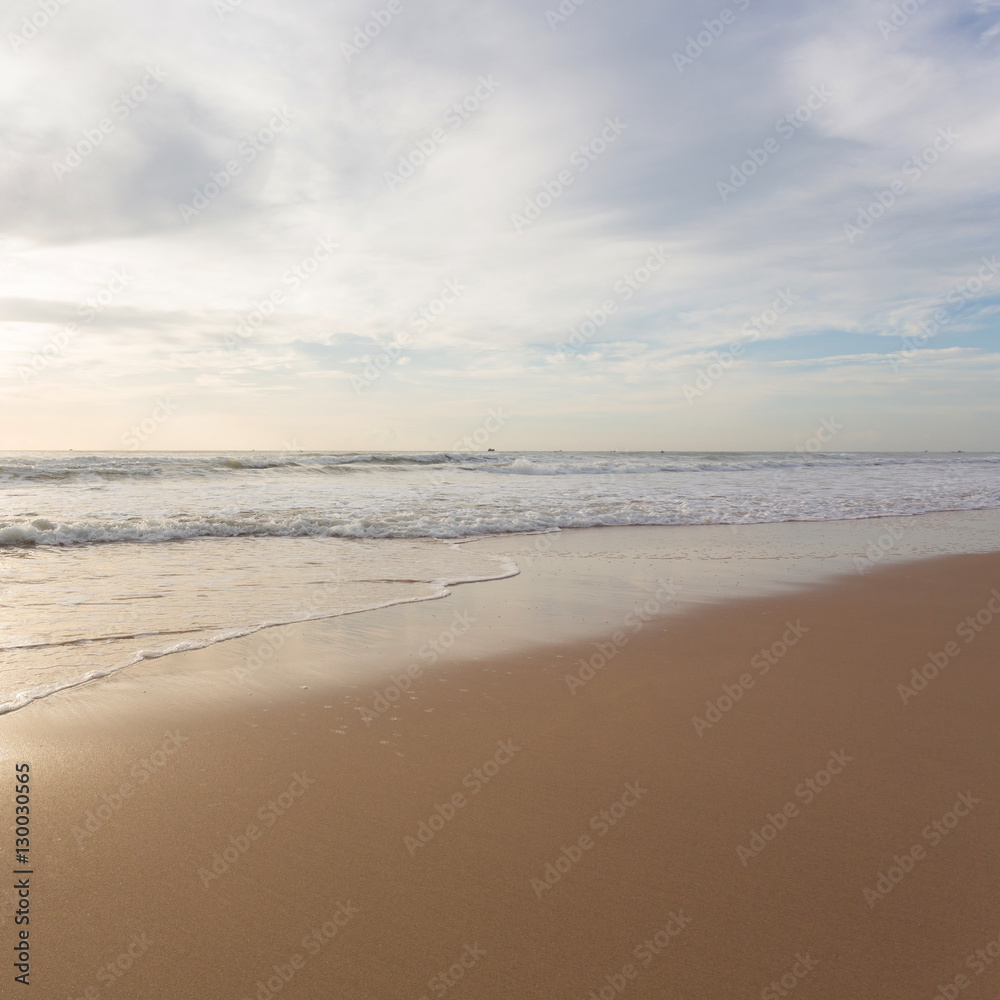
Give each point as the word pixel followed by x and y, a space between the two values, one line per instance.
pixel 108 559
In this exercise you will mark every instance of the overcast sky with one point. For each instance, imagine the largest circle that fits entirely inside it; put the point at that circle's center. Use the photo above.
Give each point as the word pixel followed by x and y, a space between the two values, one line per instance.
pixel 301 225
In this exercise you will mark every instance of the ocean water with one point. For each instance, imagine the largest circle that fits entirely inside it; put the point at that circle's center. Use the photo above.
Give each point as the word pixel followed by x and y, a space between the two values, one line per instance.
pixel 111 558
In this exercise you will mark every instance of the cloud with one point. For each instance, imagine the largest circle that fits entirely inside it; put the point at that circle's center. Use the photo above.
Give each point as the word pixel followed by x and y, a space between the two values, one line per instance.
pixel 749 165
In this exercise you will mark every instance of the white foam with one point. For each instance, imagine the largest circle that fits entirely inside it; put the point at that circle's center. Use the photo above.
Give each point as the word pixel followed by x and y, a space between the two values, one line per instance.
pixel 49 653
pixel 216 545
pixel 74 500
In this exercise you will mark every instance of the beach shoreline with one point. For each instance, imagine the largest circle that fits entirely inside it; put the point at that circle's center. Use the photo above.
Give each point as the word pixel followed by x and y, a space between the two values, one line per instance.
pixel 540 813
pixel 597 578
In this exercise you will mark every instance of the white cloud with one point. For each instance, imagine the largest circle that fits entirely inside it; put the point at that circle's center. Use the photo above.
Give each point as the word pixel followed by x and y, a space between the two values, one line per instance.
pixel 351 122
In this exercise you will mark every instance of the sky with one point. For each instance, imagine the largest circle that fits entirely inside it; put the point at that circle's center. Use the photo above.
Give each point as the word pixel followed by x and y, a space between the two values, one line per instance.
pixel 533 224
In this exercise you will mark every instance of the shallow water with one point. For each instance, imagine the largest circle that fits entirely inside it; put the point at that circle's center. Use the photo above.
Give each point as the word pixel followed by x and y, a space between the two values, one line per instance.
pixel 110 559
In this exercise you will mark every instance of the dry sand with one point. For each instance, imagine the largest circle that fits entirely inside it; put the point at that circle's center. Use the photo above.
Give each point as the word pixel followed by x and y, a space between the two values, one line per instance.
pixel 521 878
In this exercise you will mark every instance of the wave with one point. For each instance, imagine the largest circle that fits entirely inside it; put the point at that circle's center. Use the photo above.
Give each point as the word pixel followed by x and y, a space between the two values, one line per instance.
pixel 87 499
pixel 580 466
pixel 460 524
pixel 98 467
pixel 505 567
pixel 55 468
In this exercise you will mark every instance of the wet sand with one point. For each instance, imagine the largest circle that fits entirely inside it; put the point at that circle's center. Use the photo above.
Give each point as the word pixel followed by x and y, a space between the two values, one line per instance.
pixel 739 795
